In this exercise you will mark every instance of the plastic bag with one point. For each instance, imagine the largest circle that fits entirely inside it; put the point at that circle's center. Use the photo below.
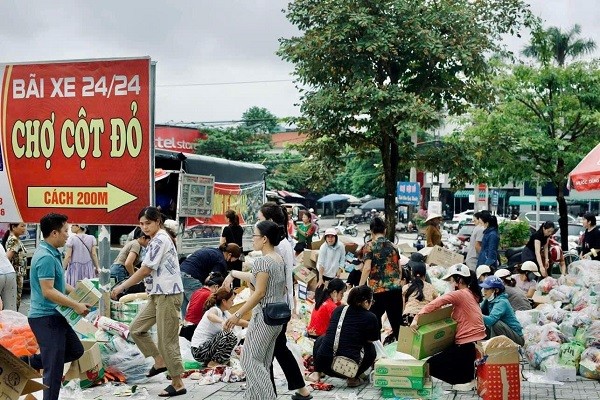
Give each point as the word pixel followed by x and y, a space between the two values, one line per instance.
pixel 527 317
pixel 120 356
pixel 589 364
pixel 570 354
pixel 562 293
pixel 551 333
pixel 546 284
pixel 567 326
pixel 586 272
pixel 185 347
pixel 589 335
pixel 16 335
pixel 539 353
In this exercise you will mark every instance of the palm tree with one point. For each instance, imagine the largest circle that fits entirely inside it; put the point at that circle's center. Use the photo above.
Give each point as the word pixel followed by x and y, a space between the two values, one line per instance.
pixel 553 43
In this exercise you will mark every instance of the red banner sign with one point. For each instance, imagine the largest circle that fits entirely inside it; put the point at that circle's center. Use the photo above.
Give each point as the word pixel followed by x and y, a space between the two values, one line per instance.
pixel 75 138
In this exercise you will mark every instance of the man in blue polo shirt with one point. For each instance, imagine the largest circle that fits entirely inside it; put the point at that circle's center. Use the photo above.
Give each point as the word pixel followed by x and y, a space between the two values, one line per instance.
pixel 58 342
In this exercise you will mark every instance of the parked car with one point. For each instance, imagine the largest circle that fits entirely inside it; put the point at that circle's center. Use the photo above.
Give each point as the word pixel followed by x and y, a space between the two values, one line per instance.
pixel 575 231
pixel 458 220
pixel 530 217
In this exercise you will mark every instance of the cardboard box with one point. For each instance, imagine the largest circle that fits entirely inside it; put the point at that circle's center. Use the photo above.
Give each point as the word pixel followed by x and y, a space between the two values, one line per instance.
pixel 561 373
pixel 89 367
pixel 406 249
pixel 16 377
pixel 498 370
pixel 304 274
pixel 404 382
pixel 444 257
pixel 400 393
pixel 310 258
pixel 436 333
pixel 85 292
pixel 387 367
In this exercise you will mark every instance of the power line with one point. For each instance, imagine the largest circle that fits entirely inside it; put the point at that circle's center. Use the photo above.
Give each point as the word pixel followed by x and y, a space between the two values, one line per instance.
pixel 225 83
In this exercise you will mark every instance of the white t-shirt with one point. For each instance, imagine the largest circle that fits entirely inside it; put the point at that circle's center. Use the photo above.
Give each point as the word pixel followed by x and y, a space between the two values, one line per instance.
pixel 5 265
pixel 161 257
pixel 206 329
pixel 284 249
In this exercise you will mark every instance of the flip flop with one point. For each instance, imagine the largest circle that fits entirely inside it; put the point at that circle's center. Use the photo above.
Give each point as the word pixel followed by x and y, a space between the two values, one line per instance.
pixel 170 392
pixel 155 371
pixel 352 383
pixel 298 396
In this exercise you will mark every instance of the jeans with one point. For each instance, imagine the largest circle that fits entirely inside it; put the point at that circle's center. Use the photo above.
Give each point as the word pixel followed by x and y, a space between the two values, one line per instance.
pixel 59 344
pixel 190 285
pixel 118 272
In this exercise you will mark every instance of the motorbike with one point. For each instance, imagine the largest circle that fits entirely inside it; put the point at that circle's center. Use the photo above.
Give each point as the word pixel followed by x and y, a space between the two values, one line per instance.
pixel 349 229
pixel 513 257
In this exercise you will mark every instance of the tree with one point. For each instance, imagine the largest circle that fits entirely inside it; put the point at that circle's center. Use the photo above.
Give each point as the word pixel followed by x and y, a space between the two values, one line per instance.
pixel 372 72
pixel 544 121
pixel 554 44
pixel 259 120
pixel 236 143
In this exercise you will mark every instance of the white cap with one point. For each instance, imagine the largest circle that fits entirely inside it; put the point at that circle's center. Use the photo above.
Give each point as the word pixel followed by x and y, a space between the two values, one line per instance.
pixel 330 231
pixel 483 269
pixel 530 266
pixel 171 225
pixel 502 273
pixel 457 269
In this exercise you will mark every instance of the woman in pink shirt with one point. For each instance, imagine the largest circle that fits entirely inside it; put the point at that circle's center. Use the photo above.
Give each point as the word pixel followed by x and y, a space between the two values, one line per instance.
pixel 455 364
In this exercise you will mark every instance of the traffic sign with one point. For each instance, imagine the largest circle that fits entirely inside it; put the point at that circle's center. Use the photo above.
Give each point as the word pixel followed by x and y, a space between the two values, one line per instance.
pixel 75 138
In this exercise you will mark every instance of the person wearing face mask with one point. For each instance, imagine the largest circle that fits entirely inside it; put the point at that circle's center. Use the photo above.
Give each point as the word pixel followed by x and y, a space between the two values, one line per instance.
pixel 482 272
pixel 498 315
pixel 455 364
pixel 516 297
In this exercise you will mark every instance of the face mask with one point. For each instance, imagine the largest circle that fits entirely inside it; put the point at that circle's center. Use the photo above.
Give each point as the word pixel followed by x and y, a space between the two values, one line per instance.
pixel 492 297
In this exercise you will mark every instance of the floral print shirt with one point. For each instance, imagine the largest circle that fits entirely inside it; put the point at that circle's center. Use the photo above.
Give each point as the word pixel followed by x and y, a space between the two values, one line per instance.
pixel 385 271
pixel 19 259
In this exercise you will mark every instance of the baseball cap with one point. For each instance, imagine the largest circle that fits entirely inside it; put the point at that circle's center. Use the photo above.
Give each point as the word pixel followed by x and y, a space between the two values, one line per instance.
pixel 417 260
pixel 483 269
pixel 492 282
pixel 330 231
pixel 502 273
pixel 531 267
pixel 457 269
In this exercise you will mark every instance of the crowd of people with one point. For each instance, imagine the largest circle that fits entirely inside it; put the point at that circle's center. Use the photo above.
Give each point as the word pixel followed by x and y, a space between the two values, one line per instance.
pixel 193 299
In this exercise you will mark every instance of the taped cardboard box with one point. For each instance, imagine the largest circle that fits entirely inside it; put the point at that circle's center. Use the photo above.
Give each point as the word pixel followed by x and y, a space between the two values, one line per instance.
pixel 425 393
pixel 436 333
pixel 304 274
pixel 389 367
pixel 309 258
pixel 85 292
pixel 89 367
pixel 16 377
pixel 405 382
pixel 498 373
pixel 444 257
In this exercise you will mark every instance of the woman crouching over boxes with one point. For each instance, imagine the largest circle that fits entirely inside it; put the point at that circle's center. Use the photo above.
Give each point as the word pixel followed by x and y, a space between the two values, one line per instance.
pixel 455 364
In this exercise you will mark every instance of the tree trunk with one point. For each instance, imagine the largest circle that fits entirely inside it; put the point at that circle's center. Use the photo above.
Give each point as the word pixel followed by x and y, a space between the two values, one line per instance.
pixel 562 211
pixel 390 158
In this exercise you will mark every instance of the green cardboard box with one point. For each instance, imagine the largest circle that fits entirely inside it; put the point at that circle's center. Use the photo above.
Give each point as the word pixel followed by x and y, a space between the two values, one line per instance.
pixel 425 393
pixel 436 333
pixel 385 367
pixel 84 292
pixel 407 382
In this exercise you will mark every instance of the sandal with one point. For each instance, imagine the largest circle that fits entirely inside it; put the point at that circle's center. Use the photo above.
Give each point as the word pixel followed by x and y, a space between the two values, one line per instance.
pixel 170 392
pixel 155 371
pixel 355 382
pixel 298 396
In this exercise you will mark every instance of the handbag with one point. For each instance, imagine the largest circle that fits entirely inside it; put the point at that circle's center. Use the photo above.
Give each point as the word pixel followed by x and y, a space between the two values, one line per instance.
pixel 279 313
pixel 342 365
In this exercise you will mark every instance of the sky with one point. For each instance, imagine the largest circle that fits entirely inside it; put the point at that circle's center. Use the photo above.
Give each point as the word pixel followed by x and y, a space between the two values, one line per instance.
pixel 206 51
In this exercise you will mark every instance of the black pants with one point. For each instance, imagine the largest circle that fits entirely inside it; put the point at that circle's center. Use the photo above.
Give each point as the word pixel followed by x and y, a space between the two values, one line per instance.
pixel 454 365
pixel 323 362
pixel 288 363
pixel 59 344
pixel 389 302
pixel 188 331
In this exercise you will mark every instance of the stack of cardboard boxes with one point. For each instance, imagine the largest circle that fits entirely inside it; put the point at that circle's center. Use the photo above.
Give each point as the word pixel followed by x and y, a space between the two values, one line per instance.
pixel 403 378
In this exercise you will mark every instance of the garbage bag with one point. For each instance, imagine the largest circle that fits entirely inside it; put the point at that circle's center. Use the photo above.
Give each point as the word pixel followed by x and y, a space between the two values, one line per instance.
pixel 121 356
pixel 546 284
pixel 570 354
pixel 589 364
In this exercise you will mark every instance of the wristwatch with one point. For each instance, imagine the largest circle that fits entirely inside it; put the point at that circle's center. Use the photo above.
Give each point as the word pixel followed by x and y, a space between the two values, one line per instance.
pixel 237 315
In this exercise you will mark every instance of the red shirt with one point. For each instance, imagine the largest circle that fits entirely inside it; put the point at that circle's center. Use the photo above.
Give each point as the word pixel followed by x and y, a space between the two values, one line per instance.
pixel 195 309
pixel 319 319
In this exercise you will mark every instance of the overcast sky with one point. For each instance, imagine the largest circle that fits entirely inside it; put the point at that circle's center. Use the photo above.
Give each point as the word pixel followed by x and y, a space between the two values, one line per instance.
pixel 206 46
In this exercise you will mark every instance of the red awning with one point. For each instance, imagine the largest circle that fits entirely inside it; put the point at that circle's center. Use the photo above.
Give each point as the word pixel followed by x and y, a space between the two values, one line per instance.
pixel 586 175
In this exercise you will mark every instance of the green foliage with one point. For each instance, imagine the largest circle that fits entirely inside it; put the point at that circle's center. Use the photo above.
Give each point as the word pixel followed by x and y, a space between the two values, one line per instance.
pixel 259 120
pixel 237 144
pixel 373 72
pixel 554 44
pixel 513 233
